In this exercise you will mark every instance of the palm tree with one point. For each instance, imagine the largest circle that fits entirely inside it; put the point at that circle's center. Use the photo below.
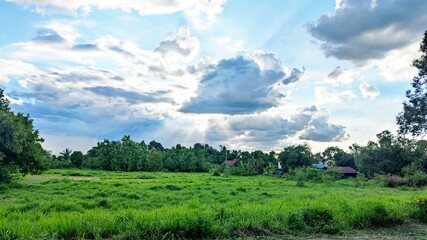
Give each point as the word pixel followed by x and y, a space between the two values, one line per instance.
pixel 66 154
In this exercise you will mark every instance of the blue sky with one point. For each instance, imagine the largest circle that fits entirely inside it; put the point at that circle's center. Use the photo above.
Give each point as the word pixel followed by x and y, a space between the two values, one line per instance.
pixel 244 74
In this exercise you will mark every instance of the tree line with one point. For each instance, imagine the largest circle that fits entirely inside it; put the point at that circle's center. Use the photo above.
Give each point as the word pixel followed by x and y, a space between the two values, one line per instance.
pixel 389 154
pixel 21 151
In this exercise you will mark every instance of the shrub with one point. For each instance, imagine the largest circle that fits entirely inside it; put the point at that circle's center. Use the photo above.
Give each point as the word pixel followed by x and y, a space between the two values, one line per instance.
pixel 312 220
pixel 243 170
pixel 417 179
pixel 313 175
pixel 391 180
pixel 331 175
pixel 422 213
pixel 300 177
pixel 217 170
pixel 375 216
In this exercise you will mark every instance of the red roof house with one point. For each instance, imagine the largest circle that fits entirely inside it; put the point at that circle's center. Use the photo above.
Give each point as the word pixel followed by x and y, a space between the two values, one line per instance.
pixel 230 163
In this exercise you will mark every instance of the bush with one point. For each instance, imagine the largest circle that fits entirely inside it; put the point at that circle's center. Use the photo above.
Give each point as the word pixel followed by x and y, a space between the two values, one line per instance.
pixel 417 179
pixel 312 175
pixel 331 175
pixel 312 220
pixel 242 170
pixel 422 206
pixel 391 180
pixel 360 180
pixel 216 171
pixel 300 177
pixel 376 216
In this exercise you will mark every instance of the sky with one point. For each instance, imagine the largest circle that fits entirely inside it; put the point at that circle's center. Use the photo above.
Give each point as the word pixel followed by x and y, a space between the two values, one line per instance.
pixel 243 74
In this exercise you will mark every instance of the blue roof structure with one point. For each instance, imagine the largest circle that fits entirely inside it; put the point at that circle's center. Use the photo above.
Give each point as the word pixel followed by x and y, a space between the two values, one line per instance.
pixel 319 166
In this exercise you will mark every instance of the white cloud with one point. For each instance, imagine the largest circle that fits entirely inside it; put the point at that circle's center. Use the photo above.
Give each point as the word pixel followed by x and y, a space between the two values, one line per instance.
pixel 396 65
pixel 58 143
pixel 267 131
pixel 181 48
pixel 368 90
pixel 323 96
pixel 200 12
pixel 230 45
pixel 240 85
pixel 14 67
pixel 65 29
pixel 340 76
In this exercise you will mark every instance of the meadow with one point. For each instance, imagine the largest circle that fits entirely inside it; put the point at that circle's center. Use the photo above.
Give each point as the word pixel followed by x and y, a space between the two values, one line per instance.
pixel 86 204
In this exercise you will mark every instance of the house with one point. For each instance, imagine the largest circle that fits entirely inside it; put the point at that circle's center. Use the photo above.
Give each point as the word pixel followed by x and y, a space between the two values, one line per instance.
pixel 230 163
pixel 346 171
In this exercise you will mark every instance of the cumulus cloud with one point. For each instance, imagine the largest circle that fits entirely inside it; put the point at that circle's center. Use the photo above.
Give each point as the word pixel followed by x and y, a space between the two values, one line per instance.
pixel 265 131
pixel 199 12
pixel 181 46
pixel 324 96
pixel 340 76
pixel 322 131
pixel 10 68
pixel 48 36
pixel 98 93
pixel 239 85
pixel 129 95
pixel 396 65
pixel 368 29
pixel 230 45
pixel 368 90
pixel 296 74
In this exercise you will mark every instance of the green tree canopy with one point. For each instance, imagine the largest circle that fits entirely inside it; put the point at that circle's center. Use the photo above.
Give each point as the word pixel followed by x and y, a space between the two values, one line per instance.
pixel 296 156
pixel 20 145
pixel 413 119
pixel 388 155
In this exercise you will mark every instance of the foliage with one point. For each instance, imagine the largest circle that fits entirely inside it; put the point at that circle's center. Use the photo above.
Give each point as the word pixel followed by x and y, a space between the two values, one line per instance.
pixel 338 157
pixel 94 204
pixel 296 156
pixel 388 155
pixel 421 214
pixel 377 216
pixel 417 179
pixel 312 220
pixel 413 119
pixel 391 180
pixel 76 158
pixel 20 145
pixel 311 174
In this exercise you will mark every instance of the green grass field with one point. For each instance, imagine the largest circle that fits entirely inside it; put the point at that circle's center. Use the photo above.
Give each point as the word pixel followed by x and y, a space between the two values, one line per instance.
pixel 80 204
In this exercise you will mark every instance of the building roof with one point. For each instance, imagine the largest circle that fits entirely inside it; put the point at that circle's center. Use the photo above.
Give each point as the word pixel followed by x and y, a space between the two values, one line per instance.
pixel 345 170
pixel 319 166
pixel 230 163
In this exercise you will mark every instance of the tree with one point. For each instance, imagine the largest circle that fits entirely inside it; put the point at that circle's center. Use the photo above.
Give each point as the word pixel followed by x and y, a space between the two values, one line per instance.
pixel 413 119
pixel 338 157
pixel 296 156
pixel 76 158
pixel 20 145
pixel 153 145
pixel 388 155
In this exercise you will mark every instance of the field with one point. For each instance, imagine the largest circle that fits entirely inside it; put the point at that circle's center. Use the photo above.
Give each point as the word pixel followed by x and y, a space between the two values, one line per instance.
pixel 75 204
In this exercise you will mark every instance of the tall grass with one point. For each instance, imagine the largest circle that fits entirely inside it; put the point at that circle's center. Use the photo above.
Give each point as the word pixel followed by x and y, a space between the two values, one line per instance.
pixel 66 204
